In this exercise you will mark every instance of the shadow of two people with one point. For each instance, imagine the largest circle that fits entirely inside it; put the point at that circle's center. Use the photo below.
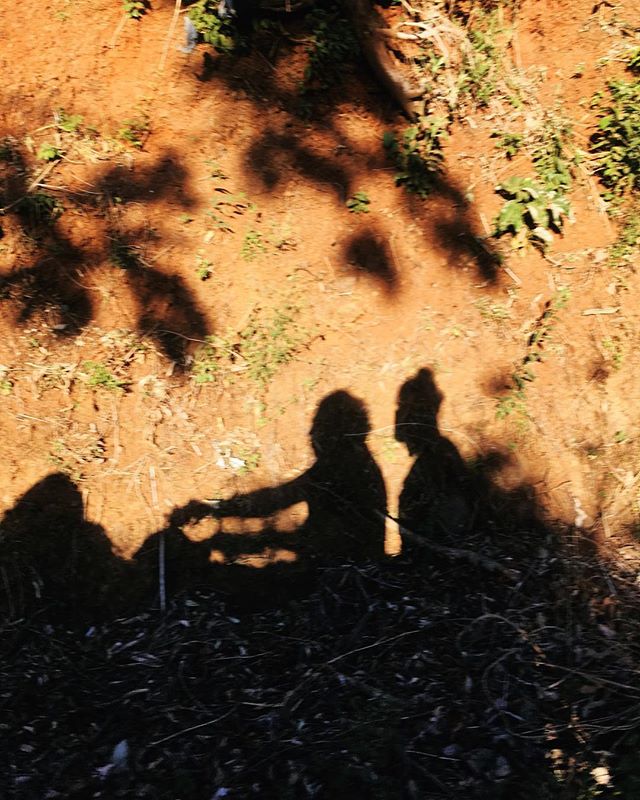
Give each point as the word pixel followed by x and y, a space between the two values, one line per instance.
pixel 49 551
pixel 344 488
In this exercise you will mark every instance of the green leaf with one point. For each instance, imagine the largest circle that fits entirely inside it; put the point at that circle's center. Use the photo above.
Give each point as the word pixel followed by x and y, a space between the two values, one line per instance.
pixel 536 211
pixel 543 234
pixel 49 152
pixel 510 218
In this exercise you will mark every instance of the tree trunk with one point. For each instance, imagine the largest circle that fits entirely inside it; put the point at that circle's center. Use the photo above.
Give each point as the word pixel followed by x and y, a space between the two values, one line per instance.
pixel 369 28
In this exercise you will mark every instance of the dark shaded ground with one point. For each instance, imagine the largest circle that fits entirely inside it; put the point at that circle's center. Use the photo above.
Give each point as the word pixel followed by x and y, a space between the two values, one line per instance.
pixel 339 676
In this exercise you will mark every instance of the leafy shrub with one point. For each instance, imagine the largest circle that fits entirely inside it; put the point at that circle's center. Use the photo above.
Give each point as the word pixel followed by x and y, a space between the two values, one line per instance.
pixel 39 208
pixel 633 62
pixel 99 377
pixel 511 143
pixel 266 344
pixel 48 152
pixel 135 8
pixel 616 143
pixel 69 123
pixel 205 365
pixel 531 211
pixel 252 246
pixel 134 132
pixel 622 252
pixel 333 43
pixel 418 156
pixel 262 347
pixel 553 156
pixel 482 64
pixel 221 34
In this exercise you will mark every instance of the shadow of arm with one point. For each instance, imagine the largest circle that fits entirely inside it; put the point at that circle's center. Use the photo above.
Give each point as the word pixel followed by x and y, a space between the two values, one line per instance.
pixel 261 503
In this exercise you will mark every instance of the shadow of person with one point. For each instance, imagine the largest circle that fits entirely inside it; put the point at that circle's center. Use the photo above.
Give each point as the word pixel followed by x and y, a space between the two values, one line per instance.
pixel 53 559
pixel 344 491
pixel 438 498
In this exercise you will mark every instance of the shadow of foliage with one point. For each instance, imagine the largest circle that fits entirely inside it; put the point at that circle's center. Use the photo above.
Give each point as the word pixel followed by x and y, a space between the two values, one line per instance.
pixel 274 154
pixel 55 284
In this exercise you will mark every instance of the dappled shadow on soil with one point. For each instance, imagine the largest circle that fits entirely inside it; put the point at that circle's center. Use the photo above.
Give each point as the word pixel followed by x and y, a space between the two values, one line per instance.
pixel 432 674
pixel 311 143
pixel 367 252
pixel 53 287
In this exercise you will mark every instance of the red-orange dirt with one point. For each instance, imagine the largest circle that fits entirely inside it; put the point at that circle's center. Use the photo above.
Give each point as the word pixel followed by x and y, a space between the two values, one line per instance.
pixel 371 298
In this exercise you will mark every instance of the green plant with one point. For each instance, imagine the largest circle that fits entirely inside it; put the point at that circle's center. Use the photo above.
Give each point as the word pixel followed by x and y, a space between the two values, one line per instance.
pixel 204 268
pixel 332 43
pixel 613 346
pixel 134 132
pixel 553 155
pixel 39 208
pixel 134 8
pixel 205 365
pixel 418 156
pixel 616 144
pixel 122 254
pixel 531 213
pixel 49 152
pixel 77 449
pixel 359 203
pixel 267 344
pixel 330 47
pixel 221 34
pixel 250 460
pixel 625 247
pixel 98 376
pixel 252 246
pixel 511 143
pixel 514 402
pixel 482 63
pixel 68 123
pixel 492 311
pixel 633 61
pixel 6 384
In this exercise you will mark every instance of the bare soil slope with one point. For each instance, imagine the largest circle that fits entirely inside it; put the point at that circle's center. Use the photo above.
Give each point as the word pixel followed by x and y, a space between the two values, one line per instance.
pixel 172 332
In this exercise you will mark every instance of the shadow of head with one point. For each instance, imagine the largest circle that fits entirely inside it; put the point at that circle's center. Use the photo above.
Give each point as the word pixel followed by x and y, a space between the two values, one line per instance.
pixel 419 401
pixel 367 253
pixel 51 556
pixel 341 422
